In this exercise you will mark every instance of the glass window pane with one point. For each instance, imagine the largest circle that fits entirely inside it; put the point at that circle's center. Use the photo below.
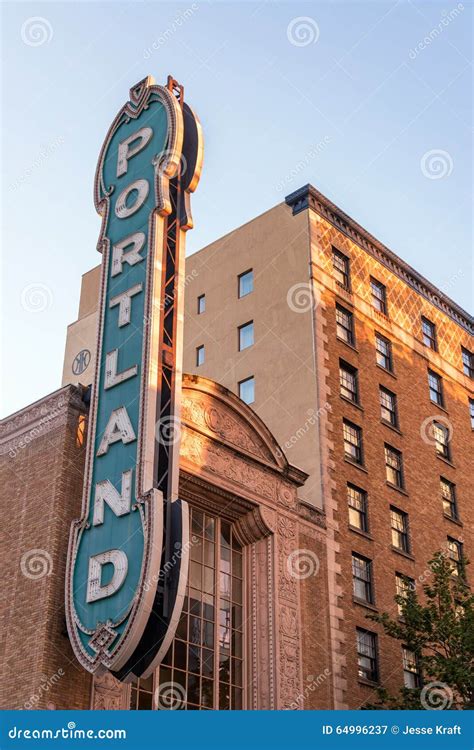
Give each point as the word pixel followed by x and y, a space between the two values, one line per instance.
pixel 245 283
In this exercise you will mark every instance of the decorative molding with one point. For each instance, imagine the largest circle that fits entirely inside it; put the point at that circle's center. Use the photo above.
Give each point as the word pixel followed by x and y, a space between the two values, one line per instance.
pixel 307 197
pixel 36 420
pixel 108 694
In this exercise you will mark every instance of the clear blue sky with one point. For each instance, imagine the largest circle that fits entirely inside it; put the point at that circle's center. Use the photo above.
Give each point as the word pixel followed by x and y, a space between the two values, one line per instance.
pixel 355 107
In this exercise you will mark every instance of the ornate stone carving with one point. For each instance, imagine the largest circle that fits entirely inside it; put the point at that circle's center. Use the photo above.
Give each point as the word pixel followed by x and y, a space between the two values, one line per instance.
pixel 109 694
pixel 290 679
pixel 196 409
pixel 220 460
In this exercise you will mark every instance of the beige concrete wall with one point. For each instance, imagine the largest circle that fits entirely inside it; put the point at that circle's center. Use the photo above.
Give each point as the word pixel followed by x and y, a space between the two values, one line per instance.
pixel 276 246
pixel 81 335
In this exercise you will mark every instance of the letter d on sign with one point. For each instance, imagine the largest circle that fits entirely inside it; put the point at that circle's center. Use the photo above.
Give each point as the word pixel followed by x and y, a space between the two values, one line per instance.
pixel 119 560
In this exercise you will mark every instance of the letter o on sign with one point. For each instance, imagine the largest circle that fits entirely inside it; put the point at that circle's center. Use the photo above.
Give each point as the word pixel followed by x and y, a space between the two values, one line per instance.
pixel 141 188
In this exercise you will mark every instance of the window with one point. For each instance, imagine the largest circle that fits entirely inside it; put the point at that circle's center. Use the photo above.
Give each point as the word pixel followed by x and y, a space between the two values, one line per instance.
pixel 388 406
pixel 247 390
pixel 436 387
pixel 205 661
pixel 403 584
pixel 345 325
pixel 348 381
pixel 455 556
pixel 471 412
pixel 379 296
pixel 411 669
pixel 352 442
pixel 201 304
pixel 357 503
pixel 383 352
pixel 362 578
pixel 441 437
pixel 141 697
pixel 340 264
pixel 393 466
pixel 467 362
pixel 367 655
pixel 399 528
pixel 429 333
pixel 245 283
pixel 245 335
pixel 448 497
pixel 199 356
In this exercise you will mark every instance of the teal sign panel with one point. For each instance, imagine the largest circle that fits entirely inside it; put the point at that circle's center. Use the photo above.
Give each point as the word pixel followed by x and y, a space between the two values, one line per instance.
pixel 116 547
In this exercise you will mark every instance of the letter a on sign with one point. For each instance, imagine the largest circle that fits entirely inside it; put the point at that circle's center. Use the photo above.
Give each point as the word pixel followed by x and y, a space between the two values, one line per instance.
pixel 117 618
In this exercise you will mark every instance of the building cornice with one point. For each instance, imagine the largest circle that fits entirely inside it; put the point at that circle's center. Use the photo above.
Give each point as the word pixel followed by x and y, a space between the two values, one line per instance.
pixel 308 197
pixel 24 426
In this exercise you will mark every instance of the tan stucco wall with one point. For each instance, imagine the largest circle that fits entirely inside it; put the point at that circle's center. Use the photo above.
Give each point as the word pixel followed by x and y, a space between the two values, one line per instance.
pixel 276 246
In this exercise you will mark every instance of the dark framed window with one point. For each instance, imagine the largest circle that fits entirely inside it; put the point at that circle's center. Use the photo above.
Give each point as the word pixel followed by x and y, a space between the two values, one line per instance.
pixel 348 381
pixel 448 498
pixel 141 695
pixel 411 668
pixel 435 385
pixel 471 412
pixel 455 555
pixel 403 584
pixel 341 269
pixel 399 529
pixel 201 304
pixel 388 406
pixel 428 330
pixel 393 466
pixel 345 325
pixel 379 296
pixel 383 352
pixel 357 504
pixel 205 661
pixel 246 337
pixel 245 283
pixel 352 442
pixel 467 362
pixel 367 655
pixel 442 437
pixel 362 578
pixel 200 355
pixel 247 390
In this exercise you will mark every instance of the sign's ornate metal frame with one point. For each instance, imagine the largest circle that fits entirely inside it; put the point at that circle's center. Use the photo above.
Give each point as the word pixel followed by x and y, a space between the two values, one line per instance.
pixel 126 624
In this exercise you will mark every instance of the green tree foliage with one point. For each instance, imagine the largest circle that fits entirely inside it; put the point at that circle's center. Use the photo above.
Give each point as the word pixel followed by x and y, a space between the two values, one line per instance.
pixel 440 632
